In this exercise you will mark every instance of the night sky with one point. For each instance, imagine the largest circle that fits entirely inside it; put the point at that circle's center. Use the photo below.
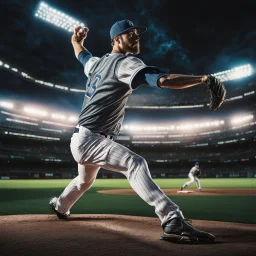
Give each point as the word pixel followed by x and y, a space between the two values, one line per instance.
pixel 198 37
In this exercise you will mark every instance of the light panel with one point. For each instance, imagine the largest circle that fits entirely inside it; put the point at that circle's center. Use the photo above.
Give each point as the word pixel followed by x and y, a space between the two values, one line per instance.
pixel 235 73
pixel 56 17
pixel 58 116
pixel 20 121
pixel 241 119
pixel 34 111
pixel 188 126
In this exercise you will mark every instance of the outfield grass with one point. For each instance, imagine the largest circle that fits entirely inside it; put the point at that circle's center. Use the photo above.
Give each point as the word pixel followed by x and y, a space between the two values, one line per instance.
pixel 32 196
pixel 123 183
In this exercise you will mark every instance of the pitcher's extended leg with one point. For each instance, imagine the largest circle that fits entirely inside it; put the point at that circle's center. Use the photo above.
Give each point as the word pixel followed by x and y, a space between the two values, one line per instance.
pixel 115 157
pixel 75 189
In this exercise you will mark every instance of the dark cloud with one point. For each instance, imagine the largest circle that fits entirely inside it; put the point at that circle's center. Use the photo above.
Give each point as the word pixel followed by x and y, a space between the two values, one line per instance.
pixel 162 47
pixel 241 51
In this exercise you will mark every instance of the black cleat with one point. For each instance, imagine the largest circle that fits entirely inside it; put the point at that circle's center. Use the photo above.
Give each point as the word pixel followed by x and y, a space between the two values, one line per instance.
pixel 52 204
pixel 181 188
pixel 180 230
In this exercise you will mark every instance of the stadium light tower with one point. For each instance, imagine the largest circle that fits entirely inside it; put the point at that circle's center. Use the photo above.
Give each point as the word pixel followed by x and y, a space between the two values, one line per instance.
pixel 57 18
pixel 235 73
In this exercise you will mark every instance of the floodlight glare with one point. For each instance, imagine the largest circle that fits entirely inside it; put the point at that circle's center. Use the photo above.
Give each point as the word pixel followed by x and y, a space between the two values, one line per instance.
pixel 34 111
pixel 241 119
pixel 235 73
pixel 73 119
pixel 57 18
pixel 6 104
pixel 58 116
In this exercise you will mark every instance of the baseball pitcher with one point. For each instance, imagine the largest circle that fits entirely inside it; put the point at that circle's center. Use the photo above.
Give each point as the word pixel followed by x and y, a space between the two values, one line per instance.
pixel 194 175
pixel 111 79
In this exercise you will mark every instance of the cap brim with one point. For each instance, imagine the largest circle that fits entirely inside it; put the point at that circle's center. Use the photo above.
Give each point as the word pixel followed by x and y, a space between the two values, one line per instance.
pixel 140 30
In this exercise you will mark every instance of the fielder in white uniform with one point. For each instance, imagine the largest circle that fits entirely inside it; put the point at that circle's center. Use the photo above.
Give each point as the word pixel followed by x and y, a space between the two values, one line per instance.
pixel 193 175
pixel 111 79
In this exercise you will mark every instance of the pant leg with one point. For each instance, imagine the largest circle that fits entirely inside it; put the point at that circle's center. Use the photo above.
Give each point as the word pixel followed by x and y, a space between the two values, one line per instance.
pixel 75 189
pixel 198 183
pixel 89 148
pixel 192 179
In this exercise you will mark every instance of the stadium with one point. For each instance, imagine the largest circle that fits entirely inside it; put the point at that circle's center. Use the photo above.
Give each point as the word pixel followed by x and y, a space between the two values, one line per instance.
pixel 170 129
pixel 35 140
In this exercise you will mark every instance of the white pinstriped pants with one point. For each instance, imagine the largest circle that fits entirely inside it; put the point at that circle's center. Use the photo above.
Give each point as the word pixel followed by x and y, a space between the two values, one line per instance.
pixel 92 151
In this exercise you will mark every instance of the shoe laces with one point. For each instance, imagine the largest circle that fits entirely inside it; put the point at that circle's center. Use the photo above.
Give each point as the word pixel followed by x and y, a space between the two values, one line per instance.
pixel 189 223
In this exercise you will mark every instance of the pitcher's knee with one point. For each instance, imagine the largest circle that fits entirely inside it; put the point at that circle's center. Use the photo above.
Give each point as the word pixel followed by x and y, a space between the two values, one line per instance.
pixel 137 163
pixel 82 185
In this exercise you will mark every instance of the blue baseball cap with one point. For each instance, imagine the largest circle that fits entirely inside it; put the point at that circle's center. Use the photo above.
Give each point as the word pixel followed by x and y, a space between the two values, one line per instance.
pixel 196 163
pixel 122 26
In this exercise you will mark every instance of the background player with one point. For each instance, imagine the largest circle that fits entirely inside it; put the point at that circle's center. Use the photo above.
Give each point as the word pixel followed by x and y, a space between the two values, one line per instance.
pixel 111 79
pixel 193 175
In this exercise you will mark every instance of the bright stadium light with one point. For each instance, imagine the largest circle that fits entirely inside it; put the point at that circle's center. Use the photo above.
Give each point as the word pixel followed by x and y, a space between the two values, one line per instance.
pixel 58 116
pixel 34 111
pixel 1 63
pixel 14 69
pixel 187 126
pixel 57 18
pixel 61 87
pixel 235 73
pixel 241 119
pixel 6 104
pixel 73 119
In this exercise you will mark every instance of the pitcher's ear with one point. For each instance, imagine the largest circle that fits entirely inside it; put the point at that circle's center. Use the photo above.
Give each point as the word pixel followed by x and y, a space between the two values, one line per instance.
pixel 118 38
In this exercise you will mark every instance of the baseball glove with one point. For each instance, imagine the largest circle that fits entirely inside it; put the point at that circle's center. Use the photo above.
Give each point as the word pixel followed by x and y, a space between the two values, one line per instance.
pixel 217 92
pixel 197 173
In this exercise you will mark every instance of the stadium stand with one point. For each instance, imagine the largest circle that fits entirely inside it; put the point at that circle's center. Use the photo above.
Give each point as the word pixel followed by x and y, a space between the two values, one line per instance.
pixel 34 143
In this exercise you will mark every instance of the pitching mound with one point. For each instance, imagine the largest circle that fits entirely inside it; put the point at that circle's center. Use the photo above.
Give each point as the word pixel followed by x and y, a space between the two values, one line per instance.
pixel 190 192
pixel 115 235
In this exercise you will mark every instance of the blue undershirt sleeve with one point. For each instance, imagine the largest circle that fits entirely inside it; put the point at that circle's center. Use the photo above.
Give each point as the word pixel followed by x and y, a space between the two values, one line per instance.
pixel 84 56
pixel 147 76
pixel 152 79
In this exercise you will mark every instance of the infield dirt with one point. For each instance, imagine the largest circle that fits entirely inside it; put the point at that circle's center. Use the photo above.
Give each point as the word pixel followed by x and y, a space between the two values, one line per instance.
pixel 115 235
pixel 193 192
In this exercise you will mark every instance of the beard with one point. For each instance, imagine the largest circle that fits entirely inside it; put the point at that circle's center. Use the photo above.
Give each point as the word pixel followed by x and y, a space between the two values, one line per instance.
pixel 134 48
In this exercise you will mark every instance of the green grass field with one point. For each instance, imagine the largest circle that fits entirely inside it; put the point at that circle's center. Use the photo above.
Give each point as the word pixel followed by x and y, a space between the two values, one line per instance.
pixel 32 197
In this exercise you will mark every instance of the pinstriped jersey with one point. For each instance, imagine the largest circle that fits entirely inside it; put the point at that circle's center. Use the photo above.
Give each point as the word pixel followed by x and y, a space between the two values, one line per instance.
pixel 105 97
pixel 108 86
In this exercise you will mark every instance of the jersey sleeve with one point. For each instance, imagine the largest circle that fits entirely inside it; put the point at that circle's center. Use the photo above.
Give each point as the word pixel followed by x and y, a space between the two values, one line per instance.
pixel 89 65
pixel 133 71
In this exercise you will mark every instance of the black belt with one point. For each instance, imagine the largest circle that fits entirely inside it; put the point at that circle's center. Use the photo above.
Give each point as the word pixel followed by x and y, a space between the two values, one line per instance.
pixel 111 137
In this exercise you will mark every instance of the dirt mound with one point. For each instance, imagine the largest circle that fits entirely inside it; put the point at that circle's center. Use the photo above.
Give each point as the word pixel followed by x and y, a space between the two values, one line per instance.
pixel 190 192
pixel 115 235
